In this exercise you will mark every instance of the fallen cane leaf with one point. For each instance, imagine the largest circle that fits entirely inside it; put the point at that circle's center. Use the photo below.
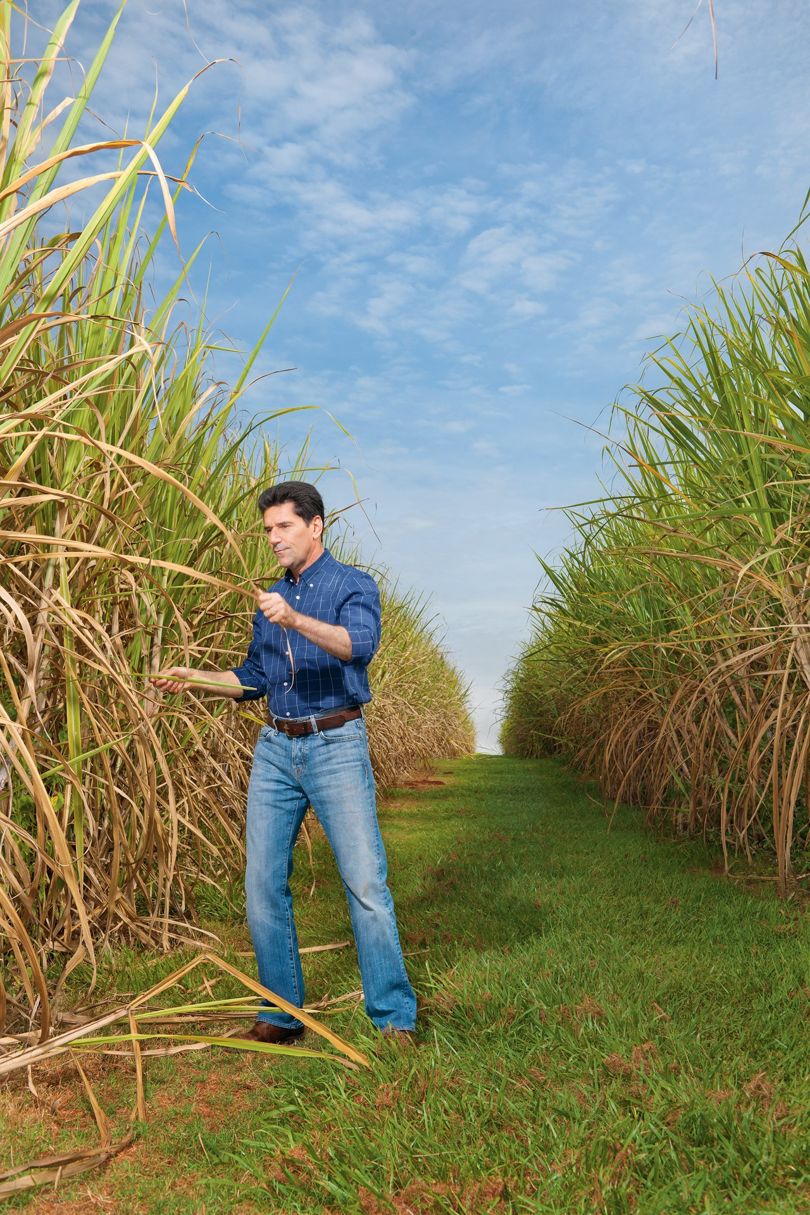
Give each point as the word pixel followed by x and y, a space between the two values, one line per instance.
pixel 102 1121
pixel 54 1168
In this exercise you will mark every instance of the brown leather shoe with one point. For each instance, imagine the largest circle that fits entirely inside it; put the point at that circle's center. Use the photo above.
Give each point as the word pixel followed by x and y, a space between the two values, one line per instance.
pixel 278 1035
pixel 403 1037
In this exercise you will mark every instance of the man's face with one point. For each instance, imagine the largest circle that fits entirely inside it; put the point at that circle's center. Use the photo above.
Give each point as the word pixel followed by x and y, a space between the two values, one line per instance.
pixel 294 542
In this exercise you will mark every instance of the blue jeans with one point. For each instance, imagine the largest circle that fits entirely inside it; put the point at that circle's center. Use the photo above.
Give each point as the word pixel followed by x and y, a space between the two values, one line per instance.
pixel 330 771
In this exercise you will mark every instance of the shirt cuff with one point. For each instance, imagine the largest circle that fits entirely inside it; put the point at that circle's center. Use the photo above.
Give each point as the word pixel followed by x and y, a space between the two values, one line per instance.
pixel 248 680
pixel 364 643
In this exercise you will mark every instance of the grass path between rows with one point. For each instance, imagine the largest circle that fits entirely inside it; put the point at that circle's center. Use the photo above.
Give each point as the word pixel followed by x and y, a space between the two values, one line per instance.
pixel 607 1026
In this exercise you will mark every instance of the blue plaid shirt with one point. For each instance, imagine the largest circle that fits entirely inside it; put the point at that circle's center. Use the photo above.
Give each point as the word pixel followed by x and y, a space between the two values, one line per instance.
pixel 321 683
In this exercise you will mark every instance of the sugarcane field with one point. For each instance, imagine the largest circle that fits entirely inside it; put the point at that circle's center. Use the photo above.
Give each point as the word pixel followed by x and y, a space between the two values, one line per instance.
pixel 404 596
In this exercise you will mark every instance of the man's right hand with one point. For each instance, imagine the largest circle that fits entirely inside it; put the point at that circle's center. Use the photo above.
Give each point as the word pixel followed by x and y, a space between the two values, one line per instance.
pixel 173 679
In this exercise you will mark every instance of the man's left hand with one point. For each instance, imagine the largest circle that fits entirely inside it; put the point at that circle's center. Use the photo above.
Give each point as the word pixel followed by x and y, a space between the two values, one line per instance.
pixel 276 609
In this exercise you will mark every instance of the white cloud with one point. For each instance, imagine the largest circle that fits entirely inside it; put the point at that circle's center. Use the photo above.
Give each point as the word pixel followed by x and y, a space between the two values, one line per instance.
pixel 654 327
pixel 454 209
pixel 333 80
pixel 485 448
pixel 456 426
pixel 525 309
pixel 503 256
pixel 391 298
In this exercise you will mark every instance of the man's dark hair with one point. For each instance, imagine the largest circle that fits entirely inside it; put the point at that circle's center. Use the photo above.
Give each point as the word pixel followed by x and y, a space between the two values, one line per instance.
pixel 305 498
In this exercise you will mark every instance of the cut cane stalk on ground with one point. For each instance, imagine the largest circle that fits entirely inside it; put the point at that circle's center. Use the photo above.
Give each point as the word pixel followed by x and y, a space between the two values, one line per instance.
pixel 54 1168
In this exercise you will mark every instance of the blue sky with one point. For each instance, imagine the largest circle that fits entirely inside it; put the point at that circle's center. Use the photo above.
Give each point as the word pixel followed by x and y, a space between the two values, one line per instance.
pixel 491 212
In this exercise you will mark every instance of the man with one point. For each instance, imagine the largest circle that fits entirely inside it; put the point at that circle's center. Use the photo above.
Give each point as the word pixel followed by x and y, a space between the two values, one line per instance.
pixel 314 634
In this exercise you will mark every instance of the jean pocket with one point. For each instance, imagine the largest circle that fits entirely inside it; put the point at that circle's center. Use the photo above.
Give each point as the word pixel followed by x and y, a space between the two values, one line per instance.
pixel 350 731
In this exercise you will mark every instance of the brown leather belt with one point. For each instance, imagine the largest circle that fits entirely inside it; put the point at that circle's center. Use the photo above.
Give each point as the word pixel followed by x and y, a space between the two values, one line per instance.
pixel 295 729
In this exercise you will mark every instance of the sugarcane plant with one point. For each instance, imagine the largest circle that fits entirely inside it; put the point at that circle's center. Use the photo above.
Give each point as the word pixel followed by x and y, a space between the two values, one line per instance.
pixel 671 649
pixel 130 542
pixel 124 483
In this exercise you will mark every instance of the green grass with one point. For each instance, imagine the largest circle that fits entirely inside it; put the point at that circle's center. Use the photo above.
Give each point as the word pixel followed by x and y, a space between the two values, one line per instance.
pixel 607 1026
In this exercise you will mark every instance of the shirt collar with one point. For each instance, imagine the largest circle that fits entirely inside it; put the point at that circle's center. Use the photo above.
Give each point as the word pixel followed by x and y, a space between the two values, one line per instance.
pixel 312 571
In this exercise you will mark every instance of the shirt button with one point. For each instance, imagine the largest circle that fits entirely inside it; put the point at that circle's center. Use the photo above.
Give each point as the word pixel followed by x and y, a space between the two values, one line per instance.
pixel 298 596
pixel 288 715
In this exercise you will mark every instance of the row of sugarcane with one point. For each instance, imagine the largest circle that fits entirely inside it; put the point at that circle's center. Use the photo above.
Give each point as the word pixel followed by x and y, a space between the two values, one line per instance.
pixel 130 541
pixel 670 654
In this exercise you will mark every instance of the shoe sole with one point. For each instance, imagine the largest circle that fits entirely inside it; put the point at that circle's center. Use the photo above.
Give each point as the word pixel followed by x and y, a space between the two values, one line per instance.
pixel 286 1041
